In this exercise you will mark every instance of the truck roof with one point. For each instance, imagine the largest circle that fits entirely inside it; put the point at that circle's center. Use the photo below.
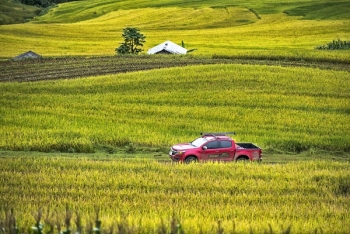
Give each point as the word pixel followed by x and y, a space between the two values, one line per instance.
pixel 210 137
pixel 217 135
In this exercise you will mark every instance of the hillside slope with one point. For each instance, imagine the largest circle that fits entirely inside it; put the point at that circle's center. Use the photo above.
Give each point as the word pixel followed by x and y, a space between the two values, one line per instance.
pixel 12 12
pixel 89 9
pixel 284 108
pixel 253 28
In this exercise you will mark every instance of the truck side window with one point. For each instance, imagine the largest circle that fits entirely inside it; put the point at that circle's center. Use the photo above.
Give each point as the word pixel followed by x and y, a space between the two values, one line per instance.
pixel 212 145
pixel 226 144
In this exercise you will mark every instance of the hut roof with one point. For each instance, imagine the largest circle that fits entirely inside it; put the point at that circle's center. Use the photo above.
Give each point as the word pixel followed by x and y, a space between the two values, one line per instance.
pixel 168 47
pixel 27 55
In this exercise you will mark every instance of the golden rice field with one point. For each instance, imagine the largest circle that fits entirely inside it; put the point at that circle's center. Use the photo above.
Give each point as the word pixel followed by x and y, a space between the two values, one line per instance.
pixel 306 197
pixel 290 109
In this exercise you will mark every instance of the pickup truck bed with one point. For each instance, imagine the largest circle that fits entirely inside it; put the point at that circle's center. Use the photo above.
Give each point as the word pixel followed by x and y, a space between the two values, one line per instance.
pixel 247 151
pixel 245 145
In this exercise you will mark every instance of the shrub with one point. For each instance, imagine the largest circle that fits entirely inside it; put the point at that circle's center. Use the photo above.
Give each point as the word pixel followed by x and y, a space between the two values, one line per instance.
pixel 130 148
pixel 335 45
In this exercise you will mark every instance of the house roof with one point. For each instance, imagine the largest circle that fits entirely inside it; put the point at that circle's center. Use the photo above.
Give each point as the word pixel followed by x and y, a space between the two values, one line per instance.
pixel 169 47
pixel 27 55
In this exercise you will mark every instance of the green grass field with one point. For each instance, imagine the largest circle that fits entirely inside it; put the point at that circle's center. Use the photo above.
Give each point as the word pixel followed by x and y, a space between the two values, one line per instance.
pixel 83 138
pixel 13 12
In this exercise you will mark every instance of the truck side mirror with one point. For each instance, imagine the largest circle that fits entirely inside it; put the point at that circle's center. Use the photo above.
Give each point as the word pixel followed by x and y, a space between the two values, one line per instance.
pixel 204 147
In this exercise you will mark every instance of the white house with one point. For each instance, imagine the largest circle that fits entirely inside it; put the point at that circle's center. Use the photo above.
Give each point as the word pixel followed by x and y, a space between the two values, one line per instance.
pixel 167 47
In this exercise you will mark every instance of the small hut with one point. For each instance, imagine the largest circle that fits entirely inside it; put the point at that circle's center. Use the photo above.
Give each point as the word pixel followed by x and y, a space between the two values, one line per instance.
pixel 167 47
pixel 27 55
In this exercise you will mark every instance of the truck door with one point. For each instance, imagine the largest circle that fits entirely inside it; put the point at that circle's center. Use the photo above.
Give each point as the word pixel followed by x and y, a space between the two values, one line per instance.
pixel 217 150
pixel 226 150
pixel 210 151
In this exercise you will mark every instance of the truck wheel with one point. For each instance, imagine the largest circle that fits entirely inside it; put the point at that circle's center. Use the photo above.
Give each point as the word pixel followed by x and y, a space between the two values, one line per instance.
pixel 191 159
pixel 242 159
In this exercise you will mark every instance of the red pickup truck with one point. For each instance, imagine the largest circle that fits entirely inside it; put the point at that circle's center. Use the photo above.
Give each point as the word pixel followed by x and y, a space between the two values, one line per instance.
pixel 213 146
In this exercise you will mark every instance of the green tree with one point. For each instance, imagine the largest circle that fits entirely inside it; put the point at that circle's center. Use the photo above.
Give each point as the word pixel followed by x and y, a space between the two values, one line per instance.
pixel 132 40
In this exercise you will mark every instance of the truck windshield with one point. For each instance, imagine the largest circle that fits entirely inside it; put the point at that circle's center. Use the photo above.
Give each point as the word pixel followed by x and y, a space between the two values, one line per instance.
pixel 198 142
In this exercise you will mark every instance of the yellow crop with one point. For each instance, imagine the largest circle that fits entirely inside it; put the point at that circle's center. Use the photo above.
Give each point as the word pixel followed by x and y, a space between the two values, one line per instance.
pixel 292 109
pixel 305 195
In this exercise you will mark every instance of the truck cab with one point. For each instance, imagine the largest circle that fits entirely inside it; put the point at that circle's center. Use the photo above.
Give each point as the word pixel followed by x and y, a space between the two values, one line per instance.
pixel 214 147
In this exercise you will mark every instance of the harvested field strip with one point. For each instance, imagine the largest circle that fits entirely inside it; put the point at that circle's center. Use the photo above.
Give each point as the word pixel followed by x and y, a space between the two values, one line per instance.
pixel 74 67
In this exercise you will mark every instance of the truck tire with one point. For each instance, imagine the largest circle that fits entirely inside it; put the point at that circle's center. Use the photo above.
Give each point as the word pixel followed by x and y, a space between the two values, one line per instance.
pixel 191 159
pixel 242 159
